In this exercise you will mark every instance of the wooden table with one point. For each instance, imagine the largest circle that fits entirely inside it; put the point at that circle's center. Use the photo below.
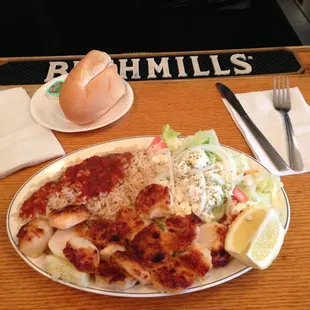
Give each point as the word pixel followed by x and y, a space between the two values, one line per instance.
pixel 285 285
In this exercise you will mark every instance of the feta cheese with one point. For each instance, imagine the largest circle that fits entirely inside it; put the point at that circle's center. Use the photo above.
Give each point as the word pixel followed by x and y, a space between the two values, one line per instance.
pixel 182 208
pixel 160 158
pixel 216 178
pixel 236 209
pixel 181 168
pixel 194 193
pixel 197 159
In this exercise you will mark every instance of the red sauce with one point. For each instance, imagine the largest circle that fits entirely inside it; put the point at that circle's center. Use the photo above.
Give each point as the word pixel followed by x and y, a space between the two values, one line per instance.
pixel 95 175
pixel 35 205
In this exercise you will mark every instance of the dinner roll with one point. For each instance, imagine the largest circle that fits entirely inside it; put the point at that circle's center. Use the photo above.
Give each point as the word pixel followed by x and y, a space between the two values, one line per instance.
pixel 91 88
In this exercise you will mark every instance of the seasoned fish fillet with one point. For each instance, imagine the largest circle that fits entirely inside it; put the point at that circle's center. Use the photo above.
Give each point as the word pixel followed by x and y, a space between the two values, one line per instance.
pixel 132 266
pixel 128 216
pixel 198 259
pixel 171 276
pixel 154 201
pixel 112 276
pixel 212 235
pixel 59 240
pixel 34 237
pixel 109 249
pixel 182 231
pixel 82 254
pixel 68 216
pixel 103 231
pixel 150 245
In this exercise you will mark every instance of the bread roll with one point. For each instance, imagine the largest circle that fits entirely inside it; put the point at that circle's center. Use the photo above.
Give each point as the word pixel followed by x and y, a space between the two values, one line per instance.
pixel 91 88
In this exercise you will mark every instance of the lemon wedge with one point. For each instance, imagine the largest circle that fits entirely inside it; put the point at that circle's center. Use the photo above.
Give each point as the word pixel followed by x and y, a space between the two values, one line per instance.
pixel 255 237
pixel 267 242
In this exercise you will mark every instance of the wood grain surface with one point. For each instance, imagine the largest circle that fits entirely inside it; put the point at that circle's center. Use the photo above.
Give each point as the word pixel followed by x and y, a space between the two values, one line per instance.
pixel 187 105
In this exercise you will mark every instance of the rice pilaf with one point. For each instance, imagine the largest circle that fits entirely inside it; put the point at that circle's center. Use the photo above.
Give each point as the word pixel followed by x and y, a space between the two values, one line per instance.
pixel 141 171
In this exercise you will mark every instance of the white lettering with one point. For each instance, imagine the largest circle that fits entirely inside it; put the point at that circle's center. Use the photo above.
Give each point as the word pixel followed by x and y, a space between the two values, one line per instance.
pixel 56 67
pixel 180 64
pixel 135 68
pixel 197 71
pixel 163 66
pixel 216 66
pixel 235 59
pixel 75 62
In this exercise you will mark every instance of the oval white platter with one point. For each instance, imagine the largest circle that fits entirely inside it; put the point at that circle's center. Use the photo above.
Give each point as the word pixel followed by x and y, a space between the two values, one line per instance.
pixel 216 276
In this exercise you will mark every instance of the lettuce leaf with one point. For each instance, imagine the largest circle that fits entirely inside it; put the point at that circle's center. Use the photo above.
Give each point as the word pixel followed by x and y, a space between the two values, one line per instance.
pixel 170 137
pixel 199 138
pixel 262 188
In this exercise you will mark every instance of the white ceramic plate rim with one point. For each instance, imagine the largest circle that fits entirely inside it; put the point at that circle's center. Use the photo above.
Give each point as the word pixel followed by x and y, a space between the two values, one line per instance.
pixel 124 293
pixel 99 123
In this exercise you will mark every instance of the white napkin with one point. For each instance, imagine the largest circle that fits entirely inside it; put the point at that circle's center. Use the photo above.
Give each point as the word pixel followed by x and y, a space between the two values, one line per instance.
pixel 260 108
pixel 23 142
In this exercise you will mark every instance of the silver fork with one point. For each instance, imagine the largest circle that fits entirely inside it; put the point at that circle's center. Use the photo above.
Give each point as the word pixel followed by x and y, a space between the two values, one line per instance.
pixel 282 102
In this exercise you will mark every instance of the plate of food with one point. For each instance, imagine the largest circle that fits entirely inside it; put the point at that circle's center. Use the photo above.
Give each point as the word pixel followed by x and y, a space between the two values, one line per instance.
pixel 150 216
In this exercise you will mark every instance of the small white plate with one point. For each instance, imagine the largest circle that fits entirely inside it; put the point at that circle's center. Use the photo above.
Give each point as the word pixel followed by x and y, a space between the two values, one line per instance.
pixel 46 110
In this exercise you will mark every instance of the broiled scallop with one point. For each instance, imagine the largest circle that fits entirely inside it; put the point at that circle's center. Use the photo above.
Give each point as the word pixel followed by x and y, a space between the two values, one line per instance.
pixel 182 231
pixel 109 249
pixel 154 201
pixel 198 259
pixel 134 222
pixel 132 266
pixel 68 216
pixel 82 254
pixel 150 245
pixel 59 240
pixel 34 236
pixel 172 276
pixel 112 276
pixel 212 235
pixel 103 231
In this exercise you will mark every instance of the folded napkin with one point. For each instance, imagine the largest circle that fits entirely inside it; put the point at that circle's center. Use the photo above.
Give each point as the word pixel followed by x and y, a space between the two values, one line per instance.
pixel 260 108
pixel 23 142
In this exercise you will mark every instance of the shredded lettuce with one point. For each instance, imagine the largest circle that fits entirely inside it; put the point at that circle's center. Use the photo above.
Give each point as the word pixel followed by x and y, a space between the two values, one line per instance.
pixel 177 145
pixel 170 137
pixel 242 163
pixel 199 138
pixel 213 157
pixel 269 184
pixel 219 211
pixel 261 187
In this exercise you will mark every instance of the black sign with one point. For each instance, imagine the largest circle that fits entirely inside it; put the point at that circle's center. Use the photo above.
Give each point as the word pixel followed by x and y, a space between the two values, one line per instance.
pixel 178 66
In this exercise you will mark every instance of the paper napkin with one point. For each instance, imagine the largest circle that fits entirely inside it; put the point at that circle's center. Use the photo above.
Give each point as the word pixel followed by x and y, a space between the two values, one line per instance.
pixel 259 107
pixel 23 142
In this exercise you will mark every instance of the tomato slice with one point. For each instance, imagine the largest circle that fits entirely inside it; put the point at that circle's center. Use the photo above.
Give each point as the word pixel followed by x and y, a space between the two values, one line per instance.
pixel 157 144
pixel 238 195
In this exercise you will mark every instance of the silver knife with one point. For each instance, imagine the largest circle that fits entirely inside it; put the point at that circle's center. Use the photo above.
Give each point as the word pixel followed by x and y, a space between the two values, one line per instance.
pixel 265 144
